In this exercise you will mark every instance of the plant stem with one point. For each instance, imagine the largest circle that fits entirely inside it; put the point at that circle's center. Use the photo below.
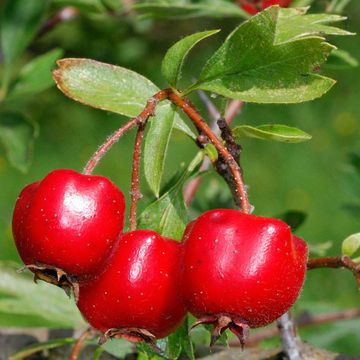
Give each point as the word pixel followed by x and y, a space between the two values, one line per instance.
pixel 135 176
pixel 303 321
pixel 200 123
pixel 335 262
pixel 114 137
pixel 290 341
pixel 75 352
pixel 232 110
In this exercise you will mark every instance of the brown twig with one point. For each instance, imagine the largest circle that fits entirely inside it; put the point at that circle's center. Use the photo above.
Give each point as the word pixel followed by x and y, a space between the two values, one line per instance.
pixel 135 176
pixel 232 110
pixel 290 340
pixel 336 262
pixel 113 138
pixel 200 123
pixel 66 14
pixel 303 321
pixel 75 351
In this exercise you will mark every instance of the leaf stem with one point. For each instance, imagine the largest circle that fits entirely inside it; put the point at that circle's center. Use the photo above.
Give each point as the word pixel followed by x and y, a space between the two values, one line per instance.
pixel 200 123
pixel 135 176
pixel 75 352
pixel 336 262
pixel 114 137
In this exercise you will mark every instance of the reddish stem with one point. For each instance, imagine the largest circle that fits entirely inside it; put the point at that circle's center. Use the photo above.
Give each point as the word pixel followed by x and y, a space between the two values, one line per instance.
pixel 113 138
pixel 336 262
pixel 75 352
pixel 201 124
pixel 135 176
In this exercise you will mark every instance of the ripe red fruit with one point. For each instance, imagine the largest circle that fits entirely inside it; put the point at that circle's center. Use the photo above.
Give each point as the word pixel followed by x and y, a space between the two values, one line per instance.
pixel 254 6
pixel 241 270
pixel 68 221
pixel 137 297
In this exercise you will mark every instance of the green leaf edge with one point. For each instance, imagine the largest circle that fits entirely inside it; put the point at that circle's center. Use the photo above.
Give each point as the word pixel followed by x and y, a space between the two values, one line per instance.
pixel 172 71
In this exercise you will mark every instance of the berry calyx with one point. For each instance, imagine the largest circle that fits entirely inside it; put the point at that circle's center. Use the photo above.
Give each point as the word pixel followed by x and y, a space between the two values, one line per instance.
pixel 67 223
pixel 241 270
pixel 137 296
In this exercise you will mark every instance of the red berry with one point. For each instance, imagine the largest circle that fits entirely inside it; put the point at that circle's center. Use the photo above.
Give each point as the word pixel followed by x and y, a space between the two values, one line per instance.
pixel 254 6
pixel 137 296
pixel 68 221
pixel 241 270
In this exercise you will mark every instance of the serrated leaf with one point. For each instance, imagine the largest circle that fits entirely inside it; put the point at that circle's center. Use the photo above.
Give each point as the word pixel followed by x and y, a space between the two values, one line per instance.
pixel 19 23
pixel 168 215
pixel 180 342
pixel 252 67
pixel 177 9
pixel 295 23
pixel 33 349
pixel 156 143
pixel 35 76
pixel 274 132
pixel 17 135
pixel 26 304
pixel 174 58
pixel 351 245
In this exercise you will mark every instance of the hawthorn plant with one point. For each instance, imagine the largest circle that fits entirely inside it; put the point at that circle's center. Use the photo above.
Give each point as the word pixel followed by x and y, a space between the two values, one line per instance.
pixel 229 268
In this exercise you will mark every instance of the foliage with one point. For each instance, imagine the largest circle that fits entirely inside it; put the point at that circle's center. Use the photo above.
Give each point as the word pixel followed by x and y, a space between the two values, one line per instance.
pixel 274 57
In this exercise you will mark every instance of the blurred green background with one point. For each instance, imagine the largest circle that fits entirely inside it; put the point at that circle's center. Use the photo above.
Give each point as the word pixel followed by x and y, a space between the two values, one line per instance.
pixel 315 177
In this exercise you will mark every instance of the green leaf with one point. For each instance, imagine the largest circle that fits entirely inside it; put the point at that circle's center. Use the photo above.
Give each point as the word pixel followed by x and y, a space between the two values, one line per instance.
pixel 177 9
pixel 340 59
pixel 26 304
pixel 156 143
pixel 125 92
pixel 253 66
pixel 33 349
pixel 19 23
pixel 17 135
pixel 301 3
pixel 118 347
pixel 168 215
pixel 211 152
pixel 355 160
pixel 104 86
pixel 35 76
pixel 83 5
pixel 274 132
pixel 174 58
pixel 351 245
pixel 319 249
pixel 295 23
pixel 180 342
pixel 294 218
pixel 179 124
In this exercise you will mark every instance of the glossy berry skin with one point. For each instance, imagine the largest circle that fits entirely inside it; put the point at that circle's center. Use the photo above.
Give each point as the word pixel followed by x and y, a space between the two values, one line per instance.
pixel 248 267
pixel 69 221
pixel 253 7
pixel 139 289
